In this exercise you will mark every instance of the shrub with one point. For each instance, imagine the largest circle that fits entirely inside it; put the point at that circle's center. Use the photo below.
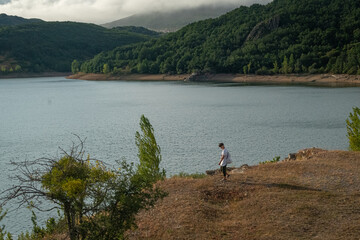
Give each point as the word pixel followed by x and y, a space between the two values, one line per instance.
pixel 353 129
pixel 275 159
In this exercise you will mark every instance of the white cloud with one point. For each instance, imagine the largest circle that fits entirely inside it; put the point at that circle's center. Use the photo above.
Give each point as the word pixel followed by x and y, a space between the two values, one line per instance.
pixel 100 11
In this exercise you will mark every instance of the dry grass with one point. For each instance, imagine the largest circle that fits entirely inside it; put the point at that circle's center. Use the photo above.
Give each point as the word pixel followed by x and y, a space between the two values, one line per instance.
pixel 315 197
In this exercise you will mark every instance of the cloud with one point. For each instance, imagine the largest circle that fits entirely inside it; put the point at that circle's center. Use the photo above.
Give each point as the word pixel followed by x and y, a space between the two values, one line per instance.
pixel 100 11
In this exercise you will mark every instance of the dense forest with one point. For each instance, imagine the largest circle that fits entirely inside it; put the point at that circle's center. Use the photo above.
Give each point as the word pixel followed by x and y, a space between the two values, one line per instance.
pixel 284 36
pixel 6 20
pixel 52 46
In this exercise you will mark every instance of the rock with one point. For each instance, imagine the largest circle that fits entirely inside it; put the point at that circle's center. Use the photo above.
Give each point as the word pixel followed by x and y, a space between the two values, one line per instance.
pixel 237 170
pixel 308 152
pixel 292 156
pixel 264 28
pixel 303 154
pixel 211 172
pixel 193 77
pixel 244 167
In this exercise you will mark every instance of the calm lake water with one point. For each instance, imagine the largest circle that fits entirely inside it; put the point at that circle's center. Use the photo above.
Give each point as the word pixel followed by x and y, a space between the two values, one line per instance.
pixel 256 123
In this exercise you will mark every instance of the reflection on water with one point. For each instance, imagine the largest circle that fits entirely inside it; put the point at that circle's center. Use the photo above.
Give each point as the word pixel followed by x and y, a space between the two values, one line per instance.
pixel 256 123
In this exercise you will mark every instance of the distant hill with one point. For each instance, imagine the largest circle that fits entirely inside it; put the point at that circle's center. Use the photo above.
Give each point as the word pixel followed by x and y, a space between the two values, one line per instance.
pixel 171 21
pixel 284 36
pixel 140 30
pixel 6 20
pixel 52 46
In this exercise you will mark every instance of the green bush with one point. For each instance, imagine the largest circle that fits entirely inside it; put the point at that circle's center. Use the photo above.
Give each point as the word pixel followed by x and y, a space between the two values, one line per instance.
pixel 275 159
pixel 353 129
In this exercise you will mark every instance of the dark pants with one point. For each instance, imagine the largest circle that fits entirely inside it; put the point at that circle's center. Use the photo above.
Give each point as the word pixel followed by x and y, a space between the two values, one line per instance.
pixel 223 168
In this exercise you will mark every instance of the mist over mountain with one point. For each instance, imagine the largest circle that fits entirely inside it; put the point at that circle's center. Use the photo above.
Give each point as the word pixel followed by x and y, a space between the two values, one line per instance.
pixel 103 11
pixel 173 20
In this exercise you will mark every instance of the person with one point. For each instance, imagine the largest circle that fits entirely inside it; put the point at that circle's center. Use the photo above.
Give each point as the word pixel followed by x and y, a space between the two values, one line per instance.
pixel 225 156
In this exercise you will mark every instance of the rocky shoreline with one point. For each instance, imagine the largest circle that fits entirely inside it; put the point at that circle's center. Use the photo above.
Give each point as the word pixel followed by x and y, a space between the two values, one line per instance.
pixel 304 79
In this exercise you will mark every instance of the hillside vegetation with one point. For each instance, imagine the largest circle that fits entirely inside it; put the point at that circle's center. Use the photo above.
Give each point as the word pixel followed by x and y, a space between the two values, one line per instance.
pixel 284 36
pixel 6 20
pixel 52 46
pixel 315 196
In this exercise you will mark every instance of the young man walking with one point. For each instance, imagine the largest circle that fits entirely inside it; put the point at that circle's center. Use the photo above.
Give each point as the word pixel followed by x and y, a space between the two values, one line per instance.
pixel 224 159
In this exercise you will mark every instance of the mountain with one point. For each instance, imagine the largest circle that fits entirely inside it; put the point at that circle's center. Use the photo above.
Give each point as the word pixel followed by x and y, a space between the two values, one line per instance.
pixel 52 46
pixel 171 21
pixel 6 20
pixel 284 36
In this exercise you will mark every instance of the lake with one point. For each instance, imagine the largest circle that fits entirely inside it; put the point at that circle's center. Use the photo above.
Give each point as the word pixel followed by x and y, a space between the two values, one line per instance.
pixel 256 123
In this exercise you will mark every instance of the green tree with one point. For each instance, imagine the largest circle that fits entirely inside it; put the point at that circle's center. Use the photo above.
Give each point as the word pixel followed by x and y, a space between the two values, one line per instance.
pixel 245 69
pixel 75 66
pixel 148 152
pixel 353 129
pixel 285 66
pixel 143 67
pixel 106 68
pixel 276 67
pixel 297 68
pixel 291 63
pixel 249 67
pixel 75 184
pixel 17 68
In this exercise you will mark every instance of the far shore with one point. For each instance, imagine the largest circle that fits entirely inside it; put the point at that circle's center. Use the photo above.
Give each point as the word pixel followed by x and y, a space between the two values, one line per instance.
pixel 32 75
pixel 308 79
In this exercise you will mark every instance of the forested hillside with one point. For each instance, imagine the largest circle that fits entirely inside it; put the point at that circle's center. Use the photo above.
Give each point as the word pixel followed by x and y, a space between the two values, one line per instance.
pixel 6 20
pixel 285 36
pixel 52 46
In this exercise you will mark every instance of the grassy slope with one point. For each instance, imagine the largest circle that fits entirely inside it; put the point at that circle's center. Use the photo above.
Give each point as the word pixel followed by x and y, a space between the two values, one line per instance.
pixel 314 197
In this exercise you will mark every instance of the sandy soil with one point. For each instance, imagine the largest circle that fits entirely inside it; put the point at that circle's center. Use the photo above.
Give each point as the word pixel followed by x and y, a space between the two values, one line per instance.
pixel 314 79
pixel 316 196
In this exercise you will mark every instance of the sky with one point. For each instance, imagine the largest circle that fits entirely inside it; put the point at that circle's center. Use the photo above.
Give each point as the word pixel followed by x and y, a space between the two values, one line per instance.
pixel 100 11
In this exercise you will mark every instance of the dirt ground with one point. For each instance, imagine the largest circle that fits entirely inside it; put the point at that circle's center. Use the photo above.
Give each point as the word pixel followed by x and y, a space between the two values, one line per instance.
pixel 316 196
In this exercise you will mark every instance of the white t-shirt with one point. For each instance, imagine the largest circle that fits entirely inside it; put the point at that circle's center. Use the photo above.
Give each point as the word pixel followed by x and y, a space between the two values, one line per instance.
pixel 226 155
